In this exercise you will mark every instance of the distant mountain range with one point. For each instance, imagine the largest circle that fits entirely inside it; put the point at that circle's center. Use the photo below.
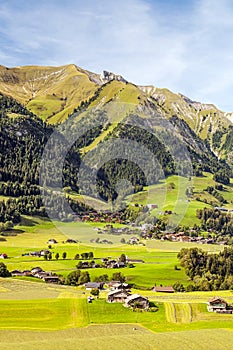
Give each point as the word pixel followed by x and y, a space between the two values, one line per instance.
pixel 54 93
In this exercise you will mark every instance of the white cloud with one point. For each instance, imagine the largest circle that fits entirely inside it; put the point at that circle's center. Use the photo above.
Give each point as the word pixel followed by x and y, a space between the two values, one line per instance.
pixel 186 49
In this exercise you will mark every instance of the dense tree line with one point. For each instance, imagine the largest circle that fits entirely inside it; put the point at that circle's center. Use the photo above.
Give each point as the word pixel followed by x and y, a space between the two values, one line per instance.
pixel 216 220
pixel 208 271
pixel 211 190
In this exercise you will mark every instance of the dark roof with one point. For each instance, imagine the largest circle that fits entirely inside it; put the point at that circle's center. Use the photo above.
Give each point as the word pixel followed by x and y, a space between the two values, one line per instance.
pixel 216 299
pixel 135 297
pixel 168 289
pixel 94 284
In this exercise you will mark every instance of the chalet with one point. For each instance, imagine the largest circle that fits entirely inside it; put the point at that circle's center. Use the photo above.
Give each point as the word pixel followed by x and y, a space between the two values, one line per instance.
pixel 51 279
pixel 69 240
pixel 119 286
pixel 44 252
pixel 168 289
pixel 152 206
pixel 137 300
pixel 136 261
pixel 36 270
pixel 52 241
pixel 117 296
pixel 133 240
pixel 41 274
pixel 27 273
pixel 17 273
pixel 34 253
pixel 93 285
pixel 217 304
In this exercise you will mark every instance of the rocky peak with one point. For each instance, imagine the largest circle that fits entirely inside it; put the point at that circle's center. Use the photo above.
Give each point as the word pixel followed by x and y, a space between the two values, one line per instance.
pixel 198 106
pixel 108 76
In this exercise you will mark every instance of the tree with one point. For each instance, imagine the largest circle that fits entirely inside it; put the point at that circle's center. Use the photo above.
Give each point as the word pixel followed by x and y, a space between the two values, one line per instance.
pixel 73 278
pixel 64 254
pixel 122 240
pixel 101 278
pixel 3 271
pixel 117 276
pixel 57 256
pixel 122 258
pixel 76 257
pixel 84 255
pixel 50 256
pixel 84 277
pixel 95 292
pixel 90 255
pixel 179 287
pixel 79 265
pixel 46 257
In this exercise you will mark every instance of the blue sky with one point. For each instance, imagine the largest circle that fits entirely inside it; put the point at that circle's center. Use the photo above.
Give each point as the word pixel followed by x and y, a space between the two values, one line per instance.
pixel 185 46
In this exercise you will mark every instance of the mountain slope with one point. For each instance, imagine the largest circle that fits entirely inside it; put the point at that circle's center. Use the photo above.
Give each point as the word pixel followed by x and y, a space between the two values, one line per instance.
pixel 53 93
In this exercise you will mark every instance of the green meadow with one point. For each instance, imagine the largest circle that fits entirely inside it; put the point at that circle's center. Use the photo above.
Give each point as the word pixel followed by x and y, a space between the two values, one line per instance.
pixel 159 258
pixel 173 197
pixel 36 315
pixel 66 320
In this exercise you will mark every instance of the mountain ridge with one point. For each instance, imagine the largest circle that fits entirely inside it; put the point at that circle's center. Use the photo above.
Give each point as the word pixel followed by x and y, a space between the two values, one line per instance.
pixel 54 93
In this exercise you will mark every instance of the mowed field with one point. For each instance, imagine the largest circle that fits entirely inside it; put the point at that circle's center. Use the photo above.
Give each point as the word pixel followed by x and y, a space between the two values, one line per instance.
pixel 62 319
pixel 35 315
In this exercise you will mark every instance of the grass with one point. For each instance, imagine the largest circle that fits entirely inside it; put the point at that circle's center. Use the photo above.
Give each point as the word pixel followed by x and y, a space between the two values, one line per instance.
pixel 159 257
pixel 66 320
pixel 117 337
pixel 175 199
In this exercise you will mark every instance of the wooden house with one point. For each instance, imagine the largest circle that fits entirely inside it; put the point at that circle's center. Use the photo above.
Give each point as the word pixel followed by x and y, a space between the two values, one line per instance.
pixel 217 304
pixel 137 300
pixel 117 296
pixel 168 289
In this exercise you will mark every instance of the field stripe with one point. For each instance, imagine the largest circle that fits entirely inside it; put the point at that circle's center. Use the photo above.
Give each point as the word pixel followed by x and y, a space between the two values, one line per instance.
pixel 170 312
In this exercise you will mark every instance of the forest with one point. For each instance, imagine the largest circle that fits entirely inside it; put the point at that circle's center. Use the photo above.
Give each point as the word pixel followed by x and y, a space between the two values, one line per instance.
pixel 208 271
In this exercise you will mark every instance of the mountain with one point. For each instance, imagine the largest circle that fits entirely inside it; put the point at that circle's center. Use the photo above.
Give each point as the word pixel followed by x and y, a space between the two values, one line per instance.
pixel 100 107
pixel 55 93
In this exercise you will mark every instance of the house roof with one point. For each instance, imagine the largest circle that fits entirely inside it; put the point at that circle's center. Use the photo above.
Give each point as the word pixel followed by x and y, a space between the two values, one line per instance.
pixel 164 289
pixel 134 297
pixel 117 291
pixel 94 284
pixel 215 299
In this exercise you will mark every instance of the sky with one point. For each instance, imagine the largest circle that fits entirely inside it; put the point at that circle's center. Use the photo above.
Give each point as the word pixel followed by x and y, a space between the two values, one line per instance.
pixel 183 45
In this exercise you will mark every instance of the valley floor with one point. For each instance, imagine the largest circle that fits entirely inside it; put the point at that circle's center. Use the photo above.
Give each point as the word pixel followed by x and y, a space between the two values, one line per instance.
pixel 42 316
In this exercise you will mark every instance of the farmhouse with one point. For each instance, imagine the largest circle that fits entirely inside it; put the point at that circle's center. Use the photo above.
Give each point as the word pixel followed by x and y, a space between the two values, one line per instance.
pixel 93 285
pixel 3 256
pixel 137 300
pixel 168 289
pixel 52 241
pixel 152 206
pixel 117 285
pixel 117 296
pixel 36 270
pixel 51 279
pixel 217 304
pixel 136 261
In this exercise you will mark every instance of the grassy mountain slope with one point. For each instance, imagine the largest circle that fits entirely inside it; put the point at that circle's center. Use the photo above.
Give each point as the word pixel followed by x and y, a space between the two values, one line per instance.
pixel 49 92
pixel 53 93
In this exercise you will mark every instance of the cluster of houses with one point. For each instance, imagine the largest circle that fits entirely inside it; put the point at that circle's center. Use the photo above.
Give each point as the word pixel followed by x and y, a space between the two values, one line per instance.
pixel 182 237
pixel 121 293
pixel 37 272
pixel 219 305
pixel 104 216
pixel 54 241
pixel 38 253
